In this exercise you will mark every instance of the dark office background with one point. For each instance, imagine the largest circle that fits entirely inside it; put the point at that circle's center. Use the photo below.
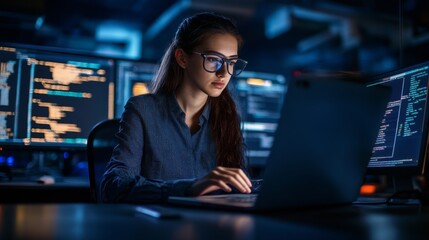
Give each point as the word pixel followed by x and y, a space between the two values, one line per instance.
pixel 372 36
pixel 281 37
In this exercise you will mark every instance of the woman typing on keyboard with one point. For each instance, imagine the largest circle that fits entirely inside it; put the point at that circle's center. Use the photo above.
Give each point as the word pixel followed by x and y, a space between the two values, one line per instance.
pixel 184 138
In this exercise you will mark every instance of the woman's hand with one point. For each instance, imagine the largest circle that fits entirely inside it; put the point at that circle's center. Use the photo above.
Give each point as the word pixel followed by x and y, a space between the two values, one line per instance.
pixel 220 178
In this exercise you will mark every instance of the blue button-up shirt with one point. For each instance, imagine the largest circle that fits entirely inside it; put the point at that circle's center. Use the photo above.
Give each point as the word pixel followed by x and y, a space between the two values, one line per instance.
pixel 157 155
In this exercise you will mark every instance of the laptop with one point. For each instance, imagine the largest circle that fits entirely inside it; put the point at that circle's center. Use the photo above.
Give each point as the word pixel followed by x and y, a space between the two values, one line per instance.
pixel 321 148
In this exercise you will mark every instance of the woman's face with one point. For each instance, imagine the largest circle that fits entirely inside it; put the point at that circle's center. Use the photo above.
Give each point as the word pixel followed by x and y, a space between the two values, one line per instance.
pixel 219 45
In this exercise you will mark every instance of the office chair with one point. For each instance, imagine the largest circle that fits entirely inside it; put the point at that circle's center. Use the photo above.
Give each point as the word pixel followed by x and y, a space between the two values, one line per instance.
pixel 101 141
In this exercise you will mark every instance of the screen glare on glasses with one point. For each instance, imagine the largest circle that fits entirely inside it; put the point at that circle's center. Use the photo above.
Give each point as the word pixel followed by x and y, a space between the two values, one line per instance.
pixel 213 63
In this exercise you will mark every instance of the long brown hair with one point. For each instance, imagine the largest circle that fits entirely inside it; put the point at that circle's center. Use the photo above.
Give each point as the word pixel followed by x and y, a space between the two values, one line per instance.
pixel 224 120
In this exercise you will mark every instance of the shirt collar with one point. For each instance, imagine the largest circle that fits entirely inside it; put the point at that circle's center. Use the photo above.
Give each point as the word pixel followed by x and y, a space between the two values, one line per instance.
pixel 174 106
pixel 206 112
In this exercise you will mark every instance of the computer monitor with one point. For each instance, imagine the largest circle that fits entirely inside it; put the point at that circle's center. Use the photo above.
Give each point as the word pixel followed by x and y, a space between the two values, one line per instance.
pixel 259 98
pixel 52 99
pixel 400 149
pixel 133 78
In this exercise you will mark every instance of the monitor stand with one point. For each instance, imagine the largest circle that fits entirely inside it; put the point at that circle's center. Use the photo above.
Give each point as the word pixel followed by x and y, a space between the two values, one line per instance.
pixel 405 191
pixel 403 183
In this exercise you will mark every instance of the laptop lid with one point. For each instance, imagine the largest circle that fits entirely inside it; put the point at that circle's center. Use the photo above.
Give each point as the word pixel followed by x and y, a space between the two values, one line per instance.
pixel 322 145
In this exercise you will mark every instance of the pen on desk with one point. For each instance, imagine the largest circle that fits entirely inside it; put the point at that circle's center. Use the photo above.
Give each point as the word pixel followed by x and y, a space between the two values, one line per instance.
pixel 157 212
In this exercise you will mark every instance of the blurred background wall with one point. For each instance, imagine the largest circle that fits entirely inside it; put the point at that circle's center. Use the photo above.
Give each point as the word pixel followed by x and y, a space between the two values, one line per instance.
pixel 372 36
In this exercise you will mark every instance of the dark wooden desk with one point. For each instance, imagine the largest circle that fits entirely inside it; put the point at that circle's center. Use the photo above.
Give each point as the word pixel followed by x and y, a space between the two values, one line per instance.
pixel 92 221
pixel 66 191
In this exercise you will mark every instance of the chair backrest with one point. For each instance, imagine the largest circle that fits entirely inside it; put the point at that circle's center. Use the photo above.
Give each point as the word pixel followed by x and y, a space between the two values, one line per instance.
pixel 101 141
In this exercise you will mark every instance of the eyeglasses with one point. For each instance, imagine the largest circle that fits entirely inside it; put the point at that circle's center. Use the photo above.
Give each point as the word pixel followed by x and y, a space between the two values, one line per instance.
pixel 213 62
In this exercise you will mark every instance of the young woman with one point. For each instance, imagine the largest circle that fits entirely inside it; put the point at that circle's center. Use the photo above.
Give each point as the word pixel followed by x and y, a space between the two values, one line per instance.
pixel 184 138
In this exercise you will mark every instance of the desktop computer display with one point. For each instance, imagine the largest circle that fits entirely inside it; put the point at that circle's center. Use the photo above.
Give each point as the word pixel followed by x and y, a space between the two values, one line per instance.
pixel 401 144
pixel 50 98
pixel 133 78
pixel 260 98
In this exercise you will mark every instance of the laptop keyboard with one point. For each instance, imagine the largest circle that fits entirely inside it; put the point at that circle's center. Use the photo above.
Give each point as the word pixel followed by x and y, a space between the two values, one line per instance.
pixel 241 198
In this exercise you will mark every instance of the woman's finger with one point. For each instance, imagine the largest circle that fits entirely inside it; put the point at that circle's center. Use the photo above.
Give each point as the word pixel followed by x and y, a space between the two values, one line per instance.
pixel 238 175
pixel 233 178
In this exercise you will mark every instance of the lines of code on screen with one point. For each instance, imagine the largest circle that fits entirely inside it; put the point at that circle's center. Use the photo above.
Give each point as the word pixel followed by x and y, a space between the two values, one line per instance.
pixel 260 98
pixel 49 98
pixel 401 134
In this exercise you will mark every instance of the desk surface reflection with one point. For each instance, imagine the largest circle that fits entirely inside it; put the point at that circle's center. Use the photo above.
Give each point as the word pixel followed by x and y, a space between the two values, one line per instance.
pixel 121 221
